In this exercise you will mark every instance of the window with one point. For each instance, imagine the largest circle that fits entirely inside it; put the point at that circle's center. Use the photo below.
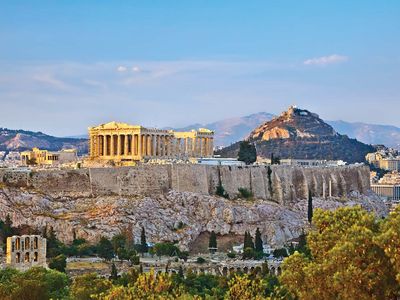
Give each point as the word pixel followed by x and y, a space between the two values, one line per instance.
pixel 18 258
pixel 35 256
pixel 17 244
pixel 26 257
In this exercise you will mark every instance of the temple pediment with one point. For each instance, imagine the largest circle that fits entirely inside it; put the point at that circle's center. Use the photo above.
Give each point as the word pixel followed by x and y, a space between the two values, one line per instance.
pixel 115 125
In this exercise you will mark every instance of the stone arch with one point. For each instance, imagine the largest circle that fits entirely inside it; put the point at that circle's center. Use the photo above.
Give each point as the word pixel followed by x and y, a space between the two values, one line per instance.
pixel 17 257
pixel 35 256
pixel 245 270
pixel 238 270
pixel 17 243
pixel 231 270
pixel 27 243
pixel 279 271
pixel 35 242
pixel 224 271
pixel 26 258
pixel 272 270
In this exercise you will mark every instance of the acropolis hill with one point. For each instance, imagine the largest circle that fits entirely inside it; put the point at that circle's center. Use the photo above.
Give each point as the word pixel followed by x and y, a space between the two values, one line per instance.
pixel 104 201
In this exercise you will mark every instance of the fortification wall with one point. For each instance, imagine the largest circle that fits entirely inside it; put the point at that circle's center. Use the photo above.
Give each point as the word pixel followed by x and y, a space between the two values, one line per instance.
pixel 282 184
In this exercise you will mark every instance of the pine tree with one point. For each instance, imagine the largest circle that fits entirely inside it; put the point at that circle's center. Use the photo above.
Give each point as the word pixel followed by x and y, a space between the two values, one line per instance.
pixel 212 243
pixel 258 241
pixel 143 244
pixel 310 208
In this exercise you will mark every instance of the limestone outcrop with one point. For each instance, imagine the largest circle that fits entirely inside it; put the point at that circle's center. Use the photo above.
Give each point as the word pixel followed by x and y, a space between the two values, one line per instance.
pixel 178 202
pixel 92 217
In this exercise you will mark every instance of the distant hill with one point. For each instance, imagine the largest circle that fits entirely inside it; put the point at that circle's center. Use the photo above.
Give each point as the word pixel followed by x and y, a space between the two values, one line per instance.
pixel 19 140
pixel 369 133
pixel 231 130
pixel 298 133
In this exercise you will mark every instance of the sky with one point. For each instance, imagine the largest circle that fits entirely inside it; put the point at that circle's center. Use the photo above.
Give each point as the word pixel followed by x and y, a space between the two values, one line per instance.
pixel 68 65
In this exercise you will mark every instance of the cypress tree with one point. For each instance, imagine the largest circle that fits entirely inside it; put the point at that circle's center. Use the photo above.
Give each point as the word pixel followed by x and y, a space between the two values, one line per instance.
pixel 258 241
pixel 310 208
pixel 143 244
pixel 212 243
pixel 114 272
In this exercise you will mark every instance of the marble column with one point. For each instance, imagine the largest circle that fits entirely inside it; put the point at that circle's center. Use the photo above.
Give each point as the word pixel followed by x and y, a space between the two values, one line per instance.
pixel 104 145
pixel 126 145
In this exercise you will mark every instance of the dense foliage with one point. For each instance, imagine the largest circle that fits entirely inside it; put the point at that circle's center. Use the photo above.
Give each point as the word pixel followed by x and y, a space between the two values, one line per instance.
pixel 352 256
pixel 247 152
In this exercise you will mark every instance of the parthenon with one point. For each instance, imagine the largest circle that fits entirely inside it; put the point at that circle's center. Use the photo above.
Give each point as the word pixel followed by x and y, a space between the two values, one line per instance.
pixel 123 142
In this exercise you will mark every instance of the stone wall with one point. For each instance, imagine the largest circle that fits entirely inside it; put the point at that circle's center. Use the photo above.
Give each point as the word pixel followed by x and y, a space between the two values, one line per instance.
pixel 282 184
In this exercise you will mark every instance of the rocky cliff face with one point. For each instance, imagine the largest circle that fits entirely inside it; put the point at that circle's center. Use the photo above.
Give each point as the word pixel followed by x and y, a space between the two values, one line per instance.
pixel 100 202
pixel 298 133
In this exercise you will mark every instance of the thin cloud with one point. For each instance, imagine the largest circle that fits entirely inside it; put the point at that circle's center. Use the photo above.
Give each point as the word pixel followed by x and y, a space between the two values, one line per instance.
pixel 51 81
pixel 326 60
pixel 122 69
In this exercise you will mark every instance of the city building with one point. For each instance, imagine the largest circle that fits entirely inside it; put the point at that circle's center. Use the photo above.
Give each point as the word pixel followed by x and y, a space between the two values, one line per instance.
pixel 390 164
pixel 388 186
pixel 45 157
pixel 387 191
pixel 26 251
pixel 386 159
pixel 123 142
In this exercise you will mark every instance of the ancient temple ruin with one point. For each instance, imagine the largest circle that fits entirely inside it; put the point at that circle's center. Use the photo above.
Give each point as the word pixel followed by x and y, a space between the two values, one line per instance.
pixel 124 142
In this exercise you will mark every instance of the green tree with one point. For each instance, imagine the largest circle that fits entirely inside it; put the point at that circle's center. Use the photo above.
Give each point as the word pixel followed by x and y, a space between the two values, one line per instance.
pixel 87 286
pixel 114 272
pixel 258 241
pixel 389 240
pixel 248 241
pixel 346 262
pixel 144 248
pixel 53 244
pixel 105 248
pixel 247 152
pixel 58 263
pixel 310 208
pixel 242 287
pixel 212 242
pixel 7 229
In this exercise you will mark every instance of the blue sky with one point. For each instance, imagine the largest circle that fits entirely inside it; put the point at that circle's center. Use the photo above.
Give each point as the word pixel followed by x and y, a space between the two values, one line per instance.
pixel 66 65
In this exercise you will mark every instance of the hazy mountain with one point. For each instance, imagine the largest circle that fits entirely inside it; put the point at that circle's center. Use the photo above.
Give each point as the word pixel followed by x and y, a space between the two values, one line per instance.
pixel 299 133
pixel 369 133
pixel 231 130
pixel 18 140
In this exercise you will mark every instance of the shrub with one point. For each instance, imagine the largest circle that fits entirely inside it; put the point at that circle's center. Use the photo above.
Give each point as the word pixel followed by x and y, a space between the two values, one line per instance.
pixel 200 260
pixel 231 254
pixel 245 193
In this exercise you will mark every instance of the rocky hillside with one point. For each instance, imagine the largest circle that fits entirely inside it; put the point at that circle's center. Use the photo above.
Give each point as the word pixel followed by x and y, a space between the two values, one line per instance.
pixel 232 130
pixel 18 140
pixel 298 133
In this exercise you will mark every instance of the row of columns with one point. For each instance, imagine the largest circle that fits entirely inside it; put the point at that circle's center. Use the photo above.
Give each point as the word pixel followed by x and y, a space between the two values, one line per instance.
pixel 149 145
